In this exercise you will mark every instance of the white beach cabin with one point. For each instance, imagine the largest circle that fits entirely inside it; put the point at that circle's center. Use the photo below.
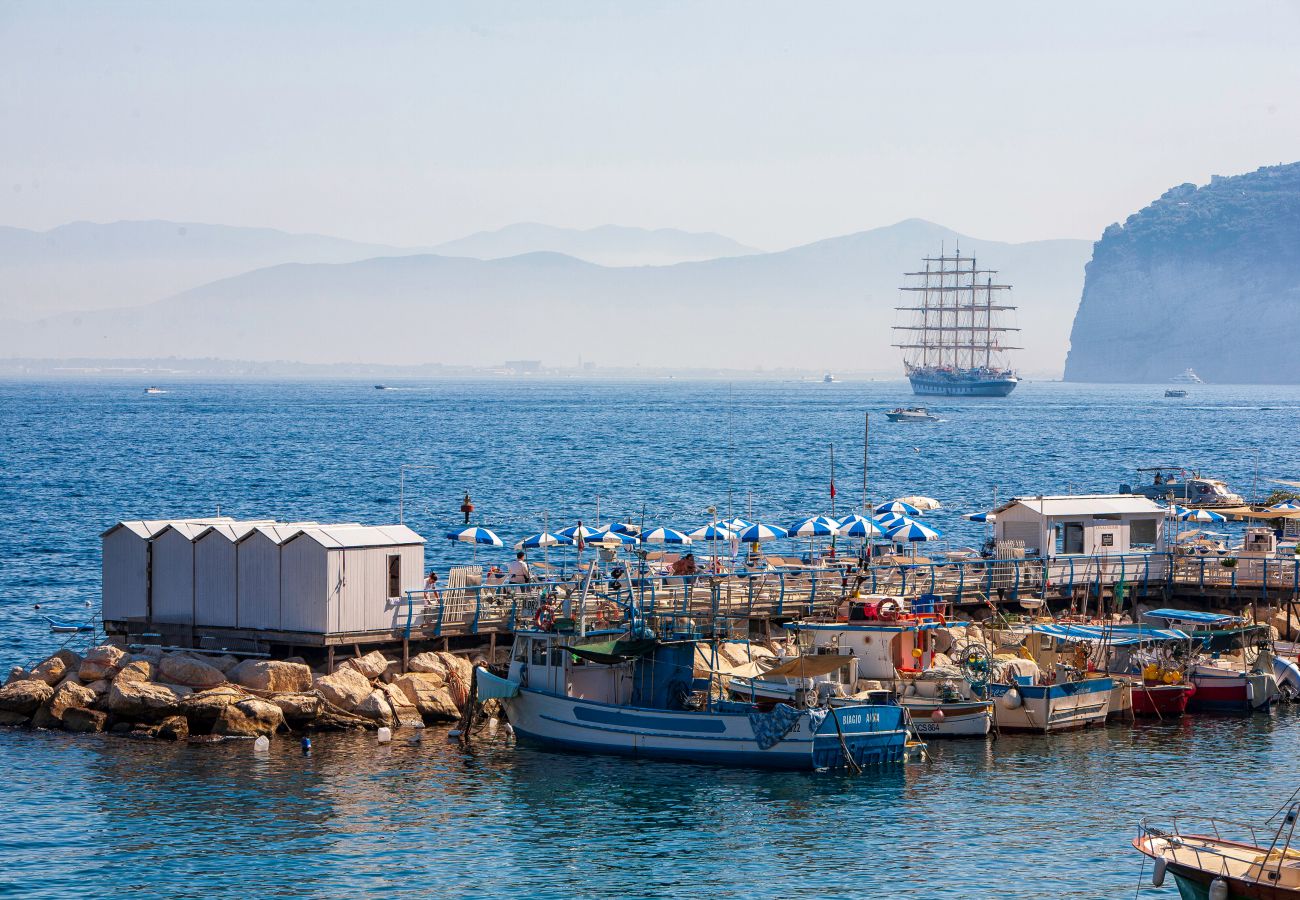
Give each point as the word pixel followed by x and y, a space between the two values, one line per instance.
pixel 1084 525
pixel 216 572
pixel 348 579
pixel 258 560
pixel 125 565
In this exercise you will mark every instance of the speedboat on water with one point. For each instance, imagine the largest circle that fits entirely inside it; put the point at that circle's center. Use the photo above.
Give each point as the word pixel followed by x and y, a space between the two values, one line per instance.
pixel 154 390
pixel 1186 487
pixel 637 696
pixel 1175 393
pixel 911 414
pixel 1218 859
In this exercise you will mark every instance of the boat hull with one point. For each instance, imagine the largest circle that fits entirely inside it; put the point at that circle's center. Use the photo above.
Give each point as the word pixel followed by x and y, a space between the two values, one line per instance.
pixel 959 719
pixel 1048 709
pixel 1222 691
pixel 1161 700
pixel 871 733
pixel 926 385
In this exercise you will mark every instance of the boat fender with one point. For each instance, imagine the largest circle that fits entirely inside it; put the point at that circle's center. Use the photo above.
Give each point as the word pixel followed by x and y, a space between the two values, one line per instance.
pixel 938 716
pixel 1218 889
pixel 1158 873
pixel 910 690
pixel 1250 690
pixel 1011 699
pixel 889 610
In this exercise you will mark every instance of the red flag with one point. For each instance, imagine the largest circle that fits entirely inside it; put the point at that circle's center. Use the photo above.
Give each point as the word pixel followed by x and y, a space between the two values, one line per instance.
pixel 832 489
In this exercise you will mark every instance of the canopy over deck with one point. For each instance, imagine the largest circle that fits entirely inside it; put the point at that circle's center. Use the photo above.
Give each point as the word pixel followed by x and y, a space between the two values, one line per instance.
pixel 1115 635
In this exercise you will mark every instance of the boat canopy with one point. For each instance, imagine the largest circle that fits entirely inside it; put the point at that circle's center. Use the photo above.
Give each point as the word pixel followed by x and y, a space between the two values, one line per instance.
pixel 1192 616
pixel 810 666
pixel 610 653
pixel 1115 635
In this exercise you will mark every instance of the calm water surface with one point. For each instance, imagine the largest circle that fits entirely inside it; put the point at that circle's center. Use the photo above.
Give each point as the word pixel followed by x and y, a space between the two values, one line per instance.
pixel 1021 817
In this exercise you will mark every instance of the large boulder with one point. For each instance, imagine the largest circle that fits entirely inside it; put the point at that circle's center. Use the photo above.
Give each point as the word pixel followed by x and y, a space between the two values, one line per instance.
pixel 428 662
pixel 173 728
pixel 178 668
pixel 375 708
pixel 429 694
pixel 202 708
pixel 67 695
pixel 144 700
pixel 271 675
pixel 17 673
pixel 249 717
pixel 372 665
pixel 225 662
pixel 100 687
pixel 103 661
pixel 13 718
pixel 86 720
pixel 25 697
pixel 455 670
pixel 141 668
pixel 51 671
pixel 406 712
pixel 298 707
pixel 345 688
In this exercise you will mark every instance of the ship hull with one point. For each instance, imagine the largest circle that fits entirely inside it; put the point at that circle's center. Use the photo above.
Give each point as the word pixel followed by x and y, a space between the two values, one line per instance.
pixel 932 386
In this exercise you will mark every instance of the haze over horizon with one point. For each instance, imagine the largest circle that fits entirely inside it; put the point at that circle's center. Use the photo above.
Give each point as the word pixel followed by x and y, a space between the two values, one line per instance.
pixel 776 126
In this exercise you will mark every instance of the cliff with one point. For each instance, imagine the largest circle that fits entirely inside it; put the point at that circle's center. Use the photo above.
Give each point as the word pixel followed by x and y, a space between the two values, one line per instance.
pixel 1206 277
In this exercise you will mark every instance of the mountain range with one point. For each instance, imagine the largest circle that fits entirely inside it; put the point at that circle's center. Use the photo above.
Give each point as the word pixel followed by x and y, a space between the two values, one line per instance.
pixel 827 304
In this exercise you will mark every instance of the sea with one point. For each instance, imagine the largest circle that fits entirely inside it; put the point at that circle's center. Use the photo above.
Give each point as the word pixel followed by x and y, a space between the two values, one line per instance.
pixel 1012 817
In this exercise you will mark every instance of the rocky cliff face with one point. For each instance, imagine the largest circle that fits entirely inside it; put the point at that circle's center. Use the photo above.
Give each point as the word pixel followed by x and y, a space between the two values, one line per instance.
pixel 1207 278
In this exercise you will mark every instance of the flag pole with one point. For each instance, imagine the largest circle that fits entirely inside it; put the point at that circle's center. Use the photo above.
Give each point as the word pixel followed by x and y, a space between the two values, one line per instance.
pixel 832 497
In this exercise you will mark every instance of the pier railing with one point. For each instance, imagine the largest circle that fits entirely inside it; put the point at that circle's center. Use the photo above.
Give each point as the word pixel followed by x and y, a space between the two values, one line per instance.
pixel 798 591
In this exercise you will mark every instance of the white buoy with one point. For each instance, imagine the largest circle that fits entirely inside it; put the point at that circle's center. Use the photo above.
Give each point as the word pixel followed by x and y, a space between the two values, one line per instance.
pixel 262 745
pixel 492 724
pixel 1011 699
pixel 510 729
pixel 1158 873
pixel 1218 889
pixel 385 734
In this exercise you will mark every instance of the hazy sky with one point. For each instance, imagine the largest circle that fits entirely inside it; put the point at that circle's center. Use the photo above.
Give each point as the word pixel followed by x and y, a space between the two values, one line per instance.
pixel 773 123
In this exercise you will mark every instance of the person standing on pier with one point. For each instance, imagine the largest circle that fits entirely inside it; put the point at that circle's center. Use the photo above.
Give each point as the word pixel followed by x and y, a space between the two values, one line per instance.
pixel 519 571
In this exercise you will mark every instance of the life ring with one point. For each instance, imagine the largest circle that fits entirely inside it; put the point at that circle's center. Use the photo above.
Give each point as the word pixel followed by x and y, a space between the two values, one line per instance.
pixel 889 610
pixel 545 618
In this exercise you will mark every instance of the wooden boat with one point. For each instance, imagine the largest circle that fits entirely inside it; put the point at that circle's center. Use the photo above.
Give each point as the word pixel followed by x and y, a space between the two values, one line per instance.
pixel 1215 859
pixel 1225 684
pixel 638 698
pixel 1050 688
pixel 1160 701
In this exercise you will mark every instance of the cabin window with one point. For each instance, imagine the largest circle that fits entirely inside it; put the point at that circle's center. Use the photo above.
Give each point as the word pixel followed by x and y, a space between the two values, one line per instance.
pixel 394 576
pixel 557 657
pixel 1072 537
pixel 1142 531
pixel 539 653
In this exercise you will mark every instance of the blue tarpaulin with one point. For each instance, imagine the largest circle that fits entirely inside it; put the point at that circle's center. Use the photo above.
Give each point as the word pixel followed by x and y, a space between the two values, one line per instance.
pixel 1192 616
pixel 1115 635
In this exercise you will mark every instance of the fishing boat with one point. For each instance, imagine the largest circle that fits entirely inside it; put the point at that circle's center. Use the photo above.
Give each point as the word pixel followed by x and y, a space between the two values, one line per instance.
pixel 1218 859
pixel 154 390
pixel 1060 693
pixel 911 414
pixel 828 378
pixel 881 647
pixel 953 346
pixel 637 697
pixel 1224 683
pixel 1175 393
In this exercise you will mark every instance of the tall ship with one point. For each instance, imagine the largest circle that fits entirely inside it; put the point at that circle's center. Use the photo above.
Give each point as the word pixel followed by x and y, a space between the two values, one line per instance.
pixel 953 346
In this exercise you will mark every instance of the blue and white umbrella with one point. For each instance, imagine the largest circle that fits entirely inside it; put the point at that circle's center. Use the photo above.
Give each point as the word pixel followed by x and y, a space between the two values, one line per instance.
pixel 622 528
pixel 664 536
pixel 545 539
pixel 889 520
pixel 1285 505
pixel 737 524
pixel 757 533
pixel 1198 515
pixel 981 517
pixel 577 531
pixel 861 528
pixel 814 526
pixel 608 535
pixel 714 531
pixel 906 532
pixel 475 535
pixel 897 506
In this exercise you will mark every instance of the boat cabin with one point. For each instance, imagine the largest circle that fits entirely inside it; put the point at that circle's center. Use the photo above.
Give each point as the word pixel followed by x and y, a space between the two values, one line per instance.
pixel 882 651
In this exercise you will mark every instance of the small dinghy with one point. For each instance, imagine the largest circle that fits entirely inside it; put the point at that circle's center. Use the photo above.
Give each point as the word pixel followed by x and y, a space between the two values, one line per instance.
pixel 60 627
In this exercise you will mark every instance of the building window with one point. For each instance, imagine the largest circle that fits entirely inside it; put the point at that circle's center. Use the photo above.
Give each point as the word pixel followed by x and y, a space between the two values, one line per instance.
pixel 394 576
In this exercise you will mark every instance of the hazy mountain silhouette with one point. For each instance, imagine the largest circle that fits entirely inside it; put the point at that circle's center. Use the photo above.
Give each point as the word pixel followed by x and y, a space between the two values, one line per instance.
pixel 87 265
pixel 608 245
pixel 823 305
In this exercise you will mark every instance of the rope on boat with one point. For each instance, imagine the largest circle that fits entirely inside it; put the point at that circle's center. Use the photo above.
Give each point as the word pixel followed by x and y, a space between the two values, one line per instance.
pixel 844 747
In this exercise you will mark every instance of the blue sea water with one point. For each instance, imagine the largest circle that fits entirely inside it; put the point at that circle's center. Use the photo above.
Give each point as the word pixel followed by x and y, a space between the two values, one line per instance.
pixel 1019 817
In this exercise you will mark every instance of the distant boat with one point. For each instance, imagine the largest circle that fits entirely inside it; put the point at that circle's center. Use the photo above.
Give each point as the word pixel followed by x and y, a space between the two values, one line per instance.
pixel 381 387
pixel 828 378
pixel 58 626
pixel 1187 377
pixel 911 414
pixel 154 390
pixel 1175 392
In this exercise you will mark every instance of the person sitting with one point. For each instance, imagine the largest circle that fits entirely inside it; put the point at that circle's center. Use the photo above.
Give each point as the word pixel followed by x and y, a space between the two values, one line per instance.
pixel 684 566
pixel 519 571
pixel 494 577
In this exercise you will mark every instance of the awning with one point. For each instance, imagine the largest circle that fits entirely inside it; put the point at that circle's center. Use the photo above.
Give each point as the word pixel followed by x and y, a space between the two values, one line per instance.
pixel 1192 616
pixel 809 666
pixel 1245 512
pixel 608 653
pixel 1115 635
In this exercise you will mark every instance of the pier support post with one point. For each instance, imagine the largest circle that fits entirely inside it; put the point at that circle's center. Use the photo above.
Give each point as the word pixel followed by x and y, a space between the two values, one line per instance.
pixel 406 653
pixel 329 660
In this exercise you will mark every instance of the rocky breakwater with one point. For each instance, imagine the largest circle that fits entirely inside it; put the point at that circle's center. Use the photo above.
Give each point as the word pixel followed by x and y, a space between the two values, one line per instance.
pixel 1204 277
pixel 179 695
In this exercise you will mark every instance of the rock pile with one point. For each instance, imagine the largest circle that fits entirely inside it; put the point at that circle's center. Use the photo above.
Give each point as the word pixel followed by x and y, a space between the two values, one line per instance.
pixel 180 696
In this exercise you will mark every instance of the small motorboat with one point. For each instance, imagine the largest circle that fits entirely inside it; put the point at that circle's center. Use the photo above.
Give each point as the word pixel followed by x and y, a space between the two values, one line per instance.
pixel 828 378
pixel 381 387
pixel 1175 392
pixel 911 414
pixel 154 390
pixel 1218 859
pixel 58 626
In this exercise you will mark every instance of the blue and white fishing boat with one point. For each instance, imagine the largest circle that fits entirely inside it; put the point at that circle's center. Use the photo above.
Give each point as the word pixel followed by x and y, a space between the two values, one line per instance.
pixel 640 697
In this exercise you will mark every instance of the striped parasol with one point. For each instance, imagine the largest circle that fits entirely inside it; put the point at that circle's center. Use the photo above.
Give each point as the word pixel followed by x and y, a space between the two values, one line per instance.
pixel 545 539
pixel 911 531
pixel 664 536
pixel 475 535
pixel 814 526
pixel 758 532
pixel 896 506
pixel 714 531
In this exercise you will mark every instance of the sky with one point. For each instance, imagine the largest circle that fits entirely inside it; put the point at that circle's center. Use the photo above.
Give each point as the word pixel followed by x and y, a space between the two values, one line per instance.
pixel 773 123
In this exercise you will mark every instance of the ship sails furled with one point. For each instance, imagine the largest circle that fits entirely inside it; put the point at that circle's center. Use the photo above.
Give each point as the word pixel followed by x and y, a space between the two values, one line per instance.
pixel 953 347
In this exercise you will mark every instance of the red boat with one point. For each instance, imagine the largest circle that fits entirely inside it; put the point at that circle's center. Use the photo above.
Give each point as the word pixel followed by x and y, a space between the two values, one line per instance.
pixel 1161 700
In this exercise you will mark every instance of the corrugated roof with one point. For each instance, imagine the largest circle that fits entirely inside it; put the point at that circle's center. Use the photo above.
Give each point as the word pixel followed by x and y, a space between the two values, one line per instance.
pixel 234 531
pixel 151 527
pixel 1086 504
pixel 343 537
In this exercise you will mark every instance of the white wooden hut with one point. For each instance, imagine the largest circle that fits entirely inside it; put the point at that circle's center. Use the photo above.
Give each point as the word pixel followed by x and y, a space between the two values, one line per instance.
pixel 125 566
pixel 348 579
pixel 1085 525
pixel 216 572
pixel 172 567
pixel 258 574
